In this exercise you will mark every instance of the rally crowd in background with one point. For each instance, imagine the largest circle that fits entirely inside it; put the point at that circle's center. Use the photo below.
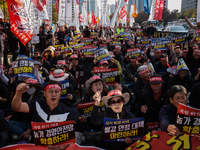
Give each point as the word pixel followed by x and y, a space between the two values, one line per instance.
pixel 154 96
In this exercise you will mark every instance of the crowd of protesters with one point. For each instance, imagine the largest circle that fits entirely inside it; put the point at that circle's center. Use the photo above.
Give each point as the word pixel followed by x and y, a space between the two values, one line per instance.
pixel 154 96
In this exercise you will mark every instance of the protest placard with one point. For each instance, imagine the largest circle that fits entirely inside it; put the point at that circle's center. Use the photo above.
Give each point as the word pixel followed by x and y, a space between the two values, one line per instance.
pixel 23 66
pixel 88 50
pixel 85 109
pixel 188 120
pixel 133 52
pixel 101 54
pixel 109 73
pixel 54 133
pixel 119 129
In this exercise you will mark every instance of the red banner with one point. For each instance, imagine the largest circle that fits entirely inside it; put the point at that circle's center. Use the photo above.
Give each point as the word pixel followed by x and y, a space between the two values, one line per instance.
pixel 18 21
pixel 157 8
pixel 188 120
pixel 123 12
pixel 34 147
pixel 161 140
pixel 161 7
pixel 54 133
pixel 57 6
pixel 40 4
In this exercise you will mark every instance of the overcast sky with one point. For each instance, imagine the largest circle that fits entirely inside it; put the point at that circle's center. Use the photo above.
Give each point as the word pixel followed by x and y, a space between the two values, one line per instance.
pixel 172 4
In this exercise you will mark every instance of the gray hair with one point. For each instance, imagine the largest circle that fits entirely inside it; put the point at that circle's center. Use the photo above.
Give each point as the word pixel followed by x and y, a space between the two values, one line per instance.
pixel 141 68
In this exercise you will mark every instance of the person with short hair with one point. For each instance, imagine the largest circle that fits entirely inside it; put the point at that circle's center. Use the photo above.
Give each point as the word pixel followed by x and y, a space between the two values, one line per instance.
pixel 143 78
pixel 168 113
pixel 48 110
pixel 161 66
pixel 131 70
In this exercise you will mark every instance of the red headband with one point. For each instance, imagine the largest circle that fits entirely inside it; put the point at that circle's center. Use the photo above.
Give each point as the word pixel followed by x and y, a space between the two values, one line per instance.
pixel 185 50
pixel 195 47
pixel 176 47
pixel 52 86
pixel 155 79
pixel 31 81
pixel 134 60
pixel 59 75
pixel 196 50
pixel 156 51
pixel 166 58
pixel 61 63
pixel 143 71
pixel 114 92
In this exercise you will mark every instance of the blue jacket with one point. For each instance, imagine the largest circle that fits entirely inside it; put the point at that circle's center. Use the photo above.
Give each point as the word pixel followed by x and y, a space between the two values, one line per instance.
pixel 167 116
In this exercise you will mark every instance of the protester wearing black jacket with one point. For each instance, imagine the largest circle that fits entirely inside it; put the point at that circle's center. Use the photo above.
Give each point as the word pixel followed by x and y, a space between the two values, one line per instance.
pixel 111 112
pixel 153 97
pixel 167 114
pixel 61 35
pixel 186 81
pixel 86 32
pixel 194 97
pixel 48 36
pixel 3 126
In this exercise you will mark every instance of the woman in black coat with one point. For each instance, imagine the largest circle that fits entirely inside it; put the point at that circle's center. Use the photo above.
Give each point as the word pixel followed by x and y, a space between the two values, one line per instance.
pixel 167 115
pixel 114 103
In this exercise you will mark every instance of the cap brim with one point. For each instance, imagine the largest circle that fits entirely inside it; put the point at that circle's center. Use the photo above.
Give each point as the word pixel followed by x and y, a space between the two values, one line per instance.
pixel 51 77
pixel 89 82
pixel 125 96
pixel 38 85
pixel 156 82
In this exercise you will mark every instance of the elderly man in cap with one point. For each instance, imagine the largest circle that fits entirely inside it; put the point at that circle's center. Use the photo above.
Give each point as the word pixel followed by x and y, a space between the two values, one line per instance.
pixel 153 97
pixel 131 70
pixel 143 78
pixel 2 40
pixel 76 70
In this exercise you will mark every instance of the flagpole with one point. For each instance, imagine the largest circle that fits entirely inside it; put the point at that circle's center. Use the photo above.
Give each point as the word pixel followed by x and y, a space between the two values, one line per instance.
pixel 4 10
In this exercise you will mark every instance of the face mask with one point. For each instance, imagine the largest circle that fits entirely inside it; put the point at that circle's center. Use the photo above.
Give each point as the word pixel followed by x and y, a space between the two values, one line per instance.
pixel 31 91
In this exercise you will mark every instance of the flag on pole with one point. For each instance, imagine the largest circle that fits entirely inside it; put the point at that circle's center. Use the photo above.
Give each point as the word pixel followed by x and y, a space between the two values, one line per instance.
pixel 122 12
pixel 93 18
pixel 146 7
pixel 97 19
pixel 88 17
pixel 57 6
pixel 135 14
pixel 19 23
pixel 1 14
pixel 81 18
pixel 40 4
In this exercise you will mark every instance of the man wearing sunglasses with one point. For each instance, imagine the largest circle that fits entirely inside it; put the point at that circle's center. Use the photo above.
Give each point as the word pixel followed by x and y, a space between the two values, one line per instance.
pixel 114 102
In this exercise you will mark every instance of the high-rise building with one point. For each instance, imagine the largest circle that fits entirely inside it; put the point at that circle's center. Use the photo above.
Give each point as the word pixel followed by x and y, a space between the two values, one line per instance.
pixel 188 4
pixel 92 6
pixel 112 8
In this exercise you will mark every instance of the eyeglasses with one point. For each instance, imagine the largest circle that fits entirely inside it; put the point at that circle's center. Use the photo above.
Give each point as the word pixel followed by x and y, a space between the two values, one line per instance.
pixel 113 102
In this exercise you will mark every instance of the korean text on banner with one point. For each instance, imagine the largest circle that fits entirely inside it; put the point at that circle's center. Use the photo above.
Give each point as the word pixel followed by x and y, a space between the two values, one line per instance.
pixel 188 120
pixel 116 130
pixel 55 133
pixel 109 73
pixel 23 66
pixel 162 140
pixel 19 23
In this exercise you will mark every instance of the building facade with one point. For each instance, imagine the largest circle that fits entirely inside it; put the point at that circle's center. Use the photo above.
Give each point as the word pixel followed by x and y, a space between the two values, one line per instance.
pixel 188 4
